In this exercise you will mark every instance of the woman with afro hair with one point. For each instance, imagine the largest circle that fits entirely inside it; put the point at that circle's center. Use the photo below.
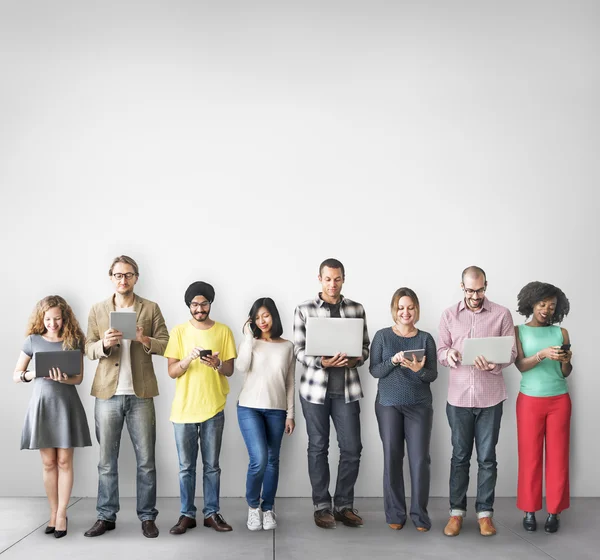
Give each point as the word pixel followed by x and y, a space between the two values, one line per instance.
pixel 543 404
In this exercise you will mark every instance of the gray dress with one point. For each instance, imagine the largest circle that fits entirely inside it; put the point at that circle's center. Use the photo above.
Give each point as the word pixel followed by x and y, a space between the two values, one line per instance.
pixel 55 416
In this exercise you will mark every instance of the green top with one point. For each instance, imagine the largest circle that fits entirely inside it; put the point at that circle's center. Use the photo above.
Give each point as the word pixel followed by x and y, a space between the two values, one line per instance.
pixel 544 379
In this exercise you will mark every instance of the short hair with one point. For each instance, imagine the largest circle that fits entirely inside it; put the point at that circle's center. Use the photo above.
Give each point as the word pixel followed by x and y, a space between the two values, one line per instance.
pixel 398 295
pixel 199 289
pixel 332 263
pixel 125 260
pixel 473 271
pixel 276 328
pixel 535 292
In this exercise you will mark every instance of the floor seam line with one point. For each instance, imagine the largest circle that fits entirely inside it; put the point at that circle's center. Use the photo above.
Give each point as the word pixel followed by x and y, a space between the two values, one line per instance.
pixel 525 540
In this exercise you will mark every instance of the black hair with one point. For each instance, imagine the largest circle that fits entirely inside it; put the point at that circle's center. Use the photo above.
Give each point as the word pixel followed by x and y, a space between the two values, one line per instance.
pixel 332 263
pixel 199 289
pixel 473 271
pixel 534 292
pixel 276 327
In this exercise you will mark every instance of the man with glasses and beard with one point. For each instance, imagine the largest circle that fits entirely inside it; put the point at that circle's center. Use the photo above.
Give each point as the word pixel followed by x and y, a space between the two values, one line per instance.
pixel 475 397
pixel 124 386
pixel 200 353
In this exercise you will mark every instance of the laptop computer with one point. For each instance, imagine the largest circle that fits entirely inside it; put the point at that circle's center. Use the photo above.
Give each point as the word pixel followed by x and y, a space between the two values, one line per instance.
pixel 495 349
pixel 68 361
pixel 326 336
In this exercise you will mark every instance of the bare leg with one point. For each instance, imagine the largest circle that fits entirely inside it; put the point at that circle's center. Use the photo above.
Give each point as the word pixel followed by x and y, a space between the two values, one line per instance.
pixel 50 481
pixel 65 485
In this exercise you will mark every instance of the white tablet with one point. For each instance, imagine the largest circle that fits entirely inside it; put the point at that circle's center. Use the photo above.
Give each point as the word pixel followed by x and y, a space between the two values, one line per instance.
pixel 326 336
pixel 495 349
pixel 125 322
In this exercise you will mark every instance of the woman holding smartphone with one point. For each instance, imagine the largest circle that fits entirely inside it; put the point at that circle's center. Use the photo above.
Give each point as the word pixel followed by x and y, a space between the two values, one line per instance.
pixel 55 422
pixel 543 404
pixel 404 408
pixel 265 406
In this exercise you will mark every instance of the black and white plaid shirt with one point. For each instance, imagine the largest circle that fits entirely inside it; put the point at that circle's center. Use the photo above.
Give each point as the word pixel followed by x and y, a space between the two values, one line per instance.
pixel 313 383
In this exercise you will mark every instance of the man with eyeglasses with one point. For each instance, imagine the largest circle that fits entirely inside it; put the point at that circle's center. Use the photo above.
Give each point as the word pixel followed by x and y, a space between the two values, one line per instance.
pixel 200 353
pixel 475 397
pixel 124 386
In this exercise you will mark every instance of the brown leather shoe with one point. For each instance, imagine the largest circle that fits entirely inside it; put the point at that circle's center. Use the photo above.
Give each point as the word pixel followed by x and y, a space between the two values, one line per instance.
pixel 396 526
pixel 348 517
pixel 217 522
pixel 486 526
pixel 325 519
pixel 454 525
pixel 183 524
pixel 149 529
pixel 99 528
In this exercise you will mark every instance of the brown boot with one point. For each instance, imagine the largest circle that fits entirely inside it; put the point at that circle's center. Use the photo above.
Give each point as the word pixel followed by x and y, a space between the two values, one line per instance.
pixel 453 526
pixel 486 526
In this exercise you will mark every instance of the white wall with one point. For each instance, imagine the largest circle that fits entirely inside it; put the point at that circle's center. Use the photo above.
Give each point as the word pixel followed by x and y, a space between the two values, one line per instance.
pixel 242 143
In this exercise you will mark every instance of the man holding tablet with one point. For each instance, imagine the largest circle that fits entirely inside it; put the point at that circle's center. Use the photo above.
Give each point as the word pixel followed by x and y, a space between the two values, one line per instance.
pixel 475 397
pixel 330 387
pixel 124 386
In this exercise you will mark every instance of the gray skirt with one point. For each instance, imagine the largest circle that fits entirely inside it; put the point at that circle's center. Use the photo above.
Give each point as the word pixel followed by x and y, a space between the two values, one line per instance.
pixel 55 418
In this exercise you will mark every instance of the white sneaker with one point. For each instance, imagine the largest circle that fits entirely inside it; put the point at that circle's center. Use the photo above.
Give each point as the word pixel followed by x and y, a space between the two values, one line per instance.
pixel 269 520
pixel 254 523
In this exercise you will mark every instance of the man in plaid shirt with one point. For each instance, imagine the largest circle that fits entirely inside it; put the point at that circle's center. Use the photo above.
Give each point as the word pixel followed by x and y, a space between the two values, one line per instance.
pixel 330 387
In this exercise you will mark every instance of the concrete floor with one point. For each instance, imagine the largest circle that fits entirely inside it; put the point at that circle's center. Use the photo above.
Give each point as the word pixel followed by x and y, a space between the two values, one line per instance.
pixel 22 523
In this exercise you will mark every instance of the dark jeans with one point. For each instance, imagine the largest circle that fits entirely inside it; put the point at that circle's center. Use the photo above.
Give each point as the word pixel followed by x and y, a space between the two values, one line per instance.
pixel 482 426
pixel 210 434
pixel 346 419
pixel 110 415
pixel 413 424
pixel 262 430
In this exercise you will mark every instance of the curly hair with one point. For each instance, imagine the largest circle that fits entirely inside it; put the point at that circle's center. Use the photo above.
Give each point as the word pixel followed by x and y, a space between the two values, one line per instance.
pixel 535 292
pixel 71 333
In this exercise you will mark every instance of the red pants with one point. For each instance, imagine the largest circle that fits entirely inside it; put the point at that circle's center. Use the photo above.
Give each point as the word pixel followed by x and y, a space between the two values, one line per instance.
pixel 542 419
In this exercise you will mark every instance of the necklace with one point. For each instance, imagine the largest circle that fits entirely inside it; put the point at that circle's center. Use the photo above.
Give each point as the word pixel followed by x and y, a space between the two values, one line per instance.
pixel 404 335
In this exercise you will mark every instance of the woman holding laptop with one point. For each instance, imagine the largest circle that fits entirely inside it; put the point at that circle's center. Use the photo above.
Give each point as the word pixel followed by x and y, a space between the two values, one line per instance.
pixel 543 404
pixel 55 422
pixel 265 406
pixel 403 358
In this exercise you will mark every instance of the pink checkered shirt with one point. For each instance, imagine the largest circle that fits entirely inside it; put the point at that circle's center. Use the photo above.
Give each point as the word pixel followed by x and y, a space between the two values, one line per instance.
pixel 468 386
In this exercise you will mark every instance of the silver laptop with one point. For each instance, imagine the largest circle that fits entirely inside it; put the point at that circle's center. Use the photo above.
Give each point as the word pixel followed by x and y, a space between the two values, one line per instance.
pixel 326 336
pixel 495 349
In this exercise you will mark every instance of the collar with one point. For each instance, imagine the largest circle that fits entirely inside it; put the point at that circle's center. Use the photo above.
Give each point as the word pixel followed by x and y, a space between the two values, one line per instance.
pixel 320 303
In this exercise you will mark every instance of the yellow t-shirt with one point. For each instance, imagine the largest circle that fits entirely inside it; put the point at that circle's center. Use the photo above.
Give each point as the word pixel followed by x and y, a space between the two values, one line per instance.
pixel 201 391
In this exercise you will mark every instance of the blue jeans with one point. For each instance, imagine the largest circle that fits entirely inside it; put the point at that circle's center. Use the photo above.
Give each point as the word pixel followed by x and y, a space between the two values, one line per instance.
pixel 481 425
pixel 262 430
pixel 210 435
pixel 346 419
pixel 110 415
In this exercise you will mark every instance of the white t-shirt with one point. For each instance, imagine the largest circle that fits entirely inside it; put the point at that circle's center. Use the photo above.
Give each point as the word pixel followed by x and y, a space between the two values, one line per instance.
pixel 125 385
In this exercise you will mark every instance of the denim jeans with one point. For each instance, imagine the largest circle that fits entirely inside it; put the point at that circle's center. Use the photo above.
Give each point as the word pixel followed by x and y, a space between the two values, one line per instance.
pixel 110 415
pixel 210 435
pixel 262 430
pixel 481 425
pixel 346 419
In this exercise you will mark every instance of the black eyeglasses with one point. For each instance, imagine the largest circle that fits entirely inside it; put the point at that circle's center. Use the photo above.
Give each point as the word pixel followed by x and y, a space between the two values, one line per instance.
pixel 471 292
pixel 126 275
pixel 203 304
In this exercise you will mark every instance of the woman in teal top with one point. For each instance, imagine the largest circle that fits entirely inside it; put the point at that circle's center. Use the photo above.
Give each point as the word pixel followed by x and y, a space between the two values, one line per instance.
pixel 543 404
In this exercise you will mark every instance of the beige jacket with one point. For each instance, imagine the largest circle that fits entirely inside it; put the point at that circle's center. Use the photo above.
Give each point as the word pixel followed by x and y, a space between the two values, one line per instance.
pixel 107 373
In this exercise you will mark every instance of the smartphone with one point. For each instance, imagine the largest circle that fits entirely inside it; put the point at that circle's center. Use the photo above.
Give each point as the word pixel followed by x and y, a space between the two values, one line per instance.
pixel 204 353
pixel 565 347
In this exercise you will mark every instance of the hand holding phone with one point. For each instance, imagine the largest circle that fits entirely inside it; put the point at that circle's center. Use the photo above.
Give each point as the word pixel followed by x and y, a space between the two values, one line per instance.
pixel 204 353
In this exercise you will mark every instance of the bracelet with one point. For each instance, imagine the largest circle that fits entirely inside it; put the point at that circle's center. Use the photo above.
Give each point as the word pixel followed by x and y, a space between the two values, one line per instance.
pixel 537 357
pixel 23 378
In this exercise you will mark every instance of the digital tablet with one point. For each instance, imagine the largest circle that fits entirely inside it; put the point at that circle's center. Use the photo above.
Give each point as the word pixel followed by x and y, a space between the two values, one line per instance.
pixel 68 361
pixel 419 353
pixel 495 349
pixel 125 322
pixel 326 336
